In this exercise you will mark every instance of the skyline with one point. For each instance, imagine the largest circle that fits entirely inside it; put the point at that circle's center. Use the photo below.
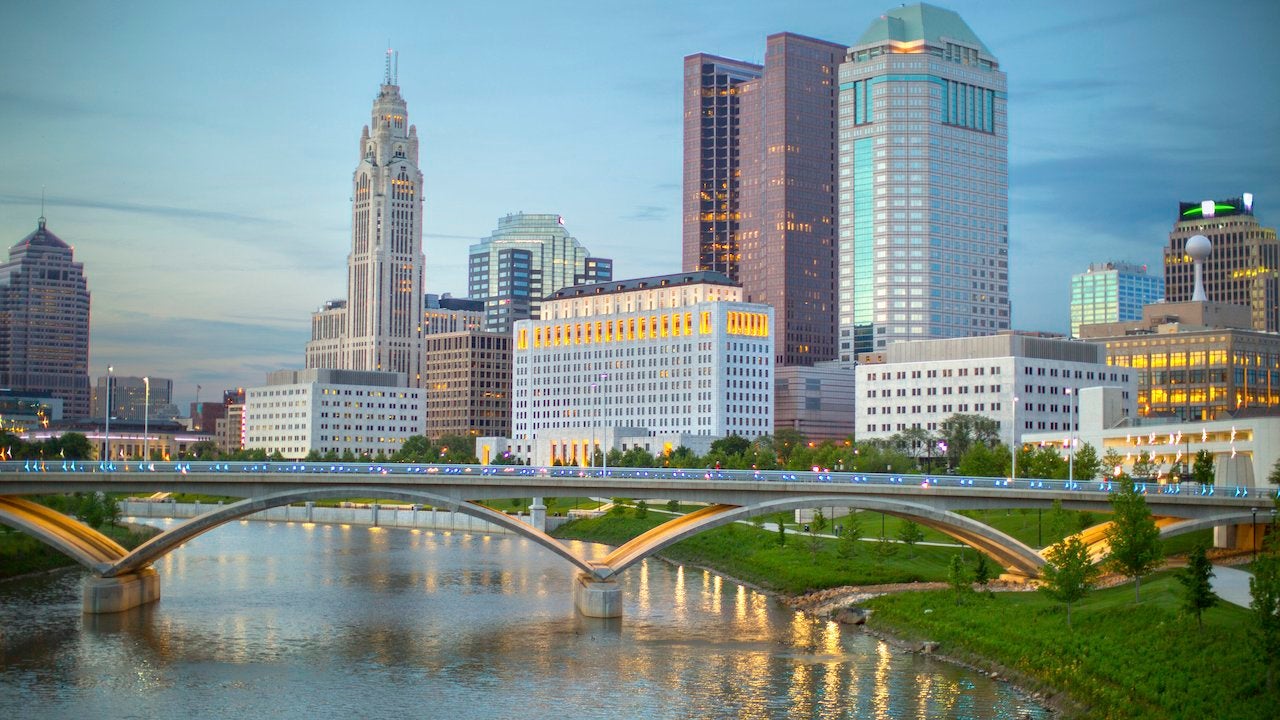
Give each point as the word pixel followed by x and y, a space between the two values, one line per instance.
pixel 217 165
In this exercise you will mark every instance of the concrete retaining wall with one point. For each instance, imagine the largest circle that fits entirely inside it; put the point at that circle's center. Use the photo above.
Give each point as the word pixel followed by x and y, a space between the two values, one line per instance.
pixel 426 519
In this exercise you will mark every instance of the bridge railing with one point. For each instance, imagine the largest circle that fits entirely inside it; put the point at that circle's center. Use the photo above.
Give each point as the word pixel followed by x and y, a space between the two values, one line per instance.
pixel 225 467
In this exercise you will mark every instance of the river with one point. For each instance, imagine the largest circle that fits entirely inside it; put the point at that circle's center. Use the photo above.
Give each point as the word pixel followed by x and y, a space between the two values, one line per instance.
pixel 293 620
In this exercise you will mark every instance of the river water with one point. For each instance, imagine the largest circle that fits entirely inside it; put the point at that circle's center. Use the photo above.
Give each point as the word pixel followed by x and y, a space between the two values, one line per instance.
pixel 293 620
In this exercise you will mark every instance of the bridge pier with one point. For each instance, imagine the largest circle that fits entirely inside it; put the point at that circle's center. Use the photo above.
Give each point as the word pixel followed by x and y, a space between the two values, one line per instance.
pixel 538 515
pixel 597 598
pixel 120 593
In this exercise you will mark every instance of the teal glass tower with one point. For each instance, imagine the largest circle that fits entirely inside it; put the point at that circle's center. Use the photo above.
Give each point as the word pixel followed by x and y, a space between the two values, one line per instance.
pixel 1112 292
pixel 923 234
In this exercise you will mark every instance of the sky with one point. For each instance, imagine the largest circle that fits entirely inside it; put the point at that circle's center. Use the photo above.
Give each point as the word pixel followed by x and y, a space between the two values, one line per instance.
pixel 198 156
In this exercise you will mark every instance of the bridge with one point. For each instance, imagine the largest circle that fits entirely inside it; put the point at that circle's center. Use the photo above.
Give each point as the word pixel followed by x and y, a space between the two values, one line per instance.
pixel 122 579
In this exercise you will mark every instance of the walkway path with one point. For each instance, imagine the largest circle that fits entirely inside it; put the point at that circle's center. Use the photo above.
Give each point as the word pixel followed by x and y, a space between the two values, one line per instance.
pixel 1231 585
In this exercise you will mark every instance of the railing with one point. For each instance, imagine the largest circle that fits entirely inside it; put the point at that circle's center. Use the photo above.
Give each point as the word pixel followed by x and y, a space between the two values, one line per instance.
pixel 224 467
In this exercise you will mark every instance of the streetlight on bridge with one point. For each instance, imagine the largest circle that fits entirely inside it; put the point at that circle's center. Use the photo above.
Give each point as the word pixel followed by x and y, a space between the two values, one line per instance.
pixel 146 413
pixel 106 432
pixel 1013 438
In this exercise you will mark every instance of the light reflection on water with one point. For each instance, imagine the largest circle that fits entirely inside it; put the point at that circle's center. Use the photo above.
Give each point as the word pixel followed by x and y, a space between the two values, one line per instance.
pixel 296 620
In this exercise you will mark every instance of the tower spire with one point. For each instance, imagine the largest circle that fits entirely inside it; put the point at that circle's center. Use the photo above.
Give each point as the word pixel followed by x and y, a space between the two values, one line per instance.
pixel 42 187
pixel 391 72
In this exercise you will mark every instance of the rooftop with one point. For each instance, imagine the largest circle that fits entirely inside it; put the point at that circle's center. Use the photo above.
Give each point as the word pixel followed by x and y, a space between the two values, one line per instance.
pixel 700 277
pixel 921 22
pixel 41 237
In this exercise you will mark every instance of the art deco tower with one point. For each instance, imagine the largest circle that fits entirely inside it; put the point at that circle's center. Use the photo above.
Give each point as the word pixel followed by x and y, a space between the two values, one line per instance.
pixel 380 325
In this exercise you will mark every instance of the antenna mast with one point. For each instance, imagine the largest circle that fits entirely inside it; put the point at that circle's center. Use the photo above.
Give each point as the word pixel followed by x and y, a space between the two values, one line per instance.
pixel 386 73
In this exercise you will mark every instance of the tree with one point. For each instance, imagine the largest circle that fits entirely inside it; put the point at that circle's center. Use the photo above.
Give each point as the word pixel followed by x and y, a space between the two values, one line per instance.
pixel 642 509
pixel 1133 536
pixel 1264 591
pixel 961 432
pixel 673 505
pixel 1045 462
pixel 74 446
pixel 1197 592
pixel 958 578
pixel 1144 467
pixel 916 442
pixel 983 572
pixel 1274 477
pixel 782 534
pixel 910 534
pixel 1112 463
pixel 1068 573
pixel 850 535
pixel 786 441
pixel 1202 469
pixel 416 448
pixel 982 460
pixel 819 520
pixel 1088 464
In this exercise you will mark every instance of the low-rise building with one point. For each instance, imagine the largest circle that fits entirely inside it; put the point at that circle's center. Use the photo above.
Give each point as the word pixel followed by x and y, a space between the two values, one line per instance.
pixel 467 379
pixel 332 411
pixel 817 401
pixel 1025 382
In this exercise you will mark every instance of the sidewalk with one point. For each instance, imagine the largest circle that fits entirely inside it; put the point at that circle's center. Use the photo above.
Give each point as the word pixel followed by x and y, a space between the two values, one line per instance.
pixel 1231 585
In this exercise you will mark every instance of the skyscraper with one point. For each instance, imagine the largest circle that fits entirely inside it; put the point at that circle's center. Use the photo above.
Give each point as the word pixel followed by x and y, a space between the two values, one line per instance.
pixel 711 172
pixel 1112 292
pixel 786 235
pixel 923 183
pixel 44 321
pixel 1243 267
pixel 528 257
pixel 379 327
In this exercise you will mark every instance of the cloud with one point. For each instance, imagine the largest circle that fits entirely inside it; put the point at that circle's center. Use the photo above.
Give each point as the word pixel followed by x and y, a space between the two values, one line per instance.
pixel 1039 34
pixel 165 211
pixel 647 213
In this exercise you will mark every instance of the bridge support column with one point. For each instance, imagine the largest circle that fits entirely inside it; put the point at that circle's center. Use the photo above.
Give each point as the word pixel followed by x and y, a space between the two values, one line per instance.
pixel 538 515
pixel 597 598
pixel 117 594
pixel 311 507
pixel 375 507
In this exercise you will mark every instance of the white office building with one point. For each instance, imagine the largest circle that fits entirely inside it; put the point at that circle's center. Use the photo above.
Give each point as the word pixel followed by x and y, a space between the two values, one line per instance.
pixel 1027 383
pixel 326 410
pixel 676 355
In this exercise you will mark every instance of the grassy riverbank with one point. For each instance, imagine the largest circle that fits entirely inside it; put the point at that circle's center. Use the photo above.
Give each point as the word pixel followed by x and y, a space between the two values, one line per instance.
pixel 1119 659
pixel 21 554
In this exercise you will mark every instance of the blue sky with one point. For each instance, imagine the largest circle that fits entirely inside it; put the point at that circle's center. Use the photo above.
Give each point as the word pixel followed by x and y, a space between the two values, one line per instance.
pixel 199 156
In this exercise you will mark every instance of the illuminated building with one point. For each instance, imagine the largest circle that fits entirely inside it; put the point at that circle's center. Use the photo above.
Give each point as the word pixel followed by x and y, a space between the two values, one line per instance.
pixel 528 257
pixel 1195 360
pixel 378 326
pixel 1244 267
pixel 673 354
pixel 711 162
pixel 923 184
pixel 1112 292
pixel 129 396
pixel 44 321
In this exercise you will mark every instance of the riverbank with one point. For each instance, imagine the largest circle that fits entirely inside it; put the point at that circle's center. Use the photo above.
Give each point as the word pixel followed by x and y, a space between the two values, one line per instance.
pixel 22 554
pixel 1120 659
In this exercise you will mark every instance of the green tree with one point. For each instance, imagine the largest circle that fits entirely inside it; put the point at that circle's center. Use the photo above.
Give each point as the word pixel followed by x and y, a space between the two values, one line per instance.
pixel 909 534
pixel 1060 524
pixel 1274 477
pixel 1144 468
pixel 1110 461
pixel 1197 591
pixel 673 505
pixel 683 457
pixel 916 442
pixel 1264 592
pixel 819 520
pixel 74 446
pixel 850 535
pixel 958 578
pixel 983 573
pixel 642 509
pixel 983 460
pixel 1202 469
pixel 1088 464
pixel 782 534
pixel 635 456
pixel 786 441
pixel 456 450
pixel 962 431
pixel 1045 462
pixel 1068 573
pixel 1133 536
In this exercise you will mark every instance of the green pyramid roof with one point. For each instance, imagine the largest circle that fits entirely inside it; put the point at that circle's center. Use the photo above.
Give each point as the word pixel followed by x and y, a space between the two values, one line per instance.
pixel 921 22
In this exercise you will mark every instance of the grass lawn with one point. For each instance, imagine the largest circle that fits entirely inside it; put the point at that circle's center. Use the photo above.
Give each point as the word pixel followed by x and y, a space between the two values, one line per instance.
pixel 753 555
pixel 21 554
pixel 1120 659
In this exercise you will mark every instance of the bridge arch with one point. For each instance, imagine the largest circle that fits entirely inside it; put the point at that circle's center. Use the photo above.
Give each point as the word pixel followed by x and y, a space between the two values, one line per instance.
pixel 65 534
pixel 1012 554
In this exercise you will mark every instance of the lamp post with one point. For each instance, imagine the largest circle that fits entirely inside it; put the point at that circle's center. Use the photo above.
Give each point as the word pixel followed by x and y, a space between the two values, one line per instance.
pixel 604 433
pixel 106 432
pixel 1013 437
pixel 1071 437
pixel 591 452
pixel 1254 537
pixel 146 415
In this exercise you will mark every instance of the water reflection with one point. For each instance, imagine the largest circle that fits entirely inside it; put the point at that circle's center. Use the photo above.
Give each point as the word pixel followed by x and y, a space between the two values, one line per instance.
pixel 351 619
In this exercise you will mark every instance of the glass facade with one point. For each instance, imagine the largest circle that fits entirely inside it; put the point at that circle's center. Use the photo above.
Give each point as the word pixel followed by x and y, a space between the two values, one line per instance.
pixel 1112 292
pixel 922 184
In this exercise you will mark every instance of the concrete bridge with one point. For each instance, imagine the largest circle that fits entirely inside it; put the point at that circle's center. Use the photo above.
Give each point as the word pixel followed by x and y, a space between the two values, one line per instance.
pixel 122 579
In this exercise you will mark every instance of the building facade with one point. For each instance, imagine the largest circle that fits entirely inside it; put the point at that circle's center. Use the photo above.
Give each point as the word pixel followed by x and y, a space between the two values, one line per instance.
pixel 1026 383
pixel 467 383
pixel 378 326
pixel 787 156
pixel 923 238
pixel 449 314
pixel 818 401
pixel 331 411
pixel 1243 267
pixel 673 354
pixel 129 398
pixel 1112 292
pixel 528 257
pixel 44 321
pixel 710 207
pixel 1195 361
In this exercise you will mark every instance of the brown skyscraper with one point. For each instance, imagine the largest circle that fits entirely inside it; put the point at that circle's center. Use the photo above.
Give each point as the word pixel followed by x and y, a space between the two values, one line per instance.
pixel 44 322
pixel 710 206
pixel 1243 267
pixel 760 165
pixel 786 236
